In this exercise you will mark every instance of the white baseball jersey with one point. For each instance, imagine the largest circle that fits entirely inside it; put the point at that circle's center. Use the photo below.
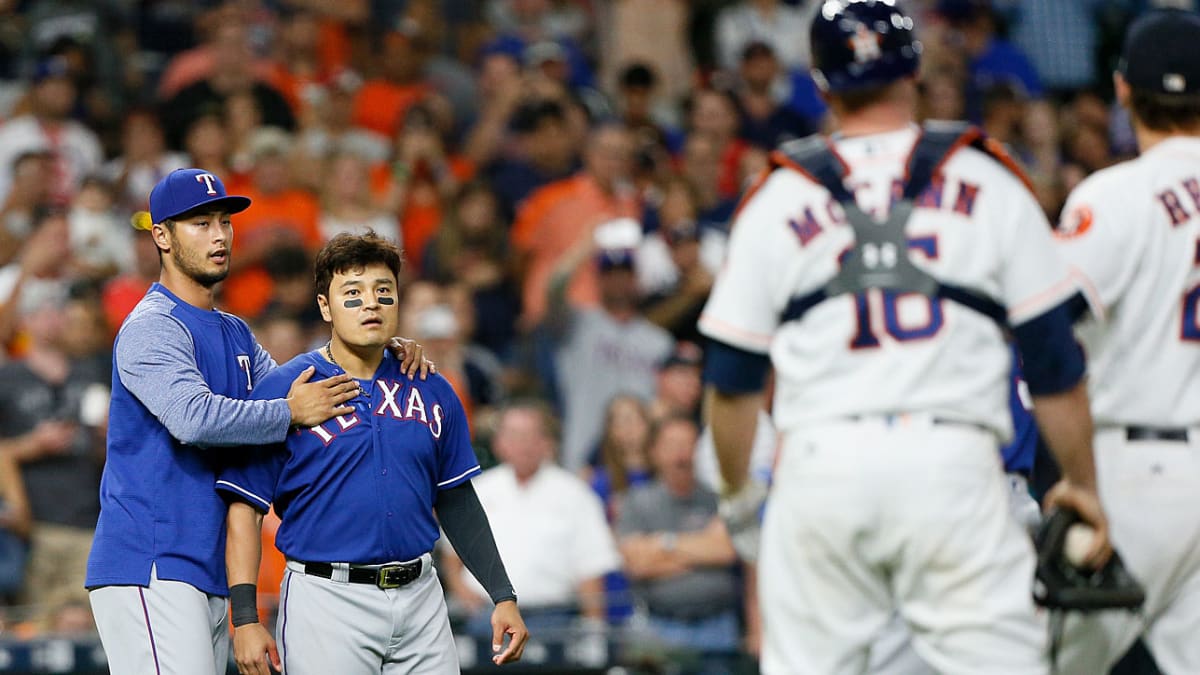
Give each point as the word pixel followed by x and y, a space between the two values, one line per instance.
pixel 977 227
pixel 1131 233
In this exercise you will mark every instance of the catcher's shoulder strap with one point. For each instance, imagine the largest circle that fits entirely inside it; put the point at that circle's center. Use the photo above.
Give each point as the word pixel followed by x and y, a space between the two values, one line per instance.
pixel 879 258
pixel 814 157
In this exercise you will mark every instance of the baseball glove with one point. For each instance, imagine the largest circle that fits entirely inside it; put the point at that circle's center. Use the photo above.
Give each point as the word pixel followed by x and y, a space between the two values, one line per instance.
pixel 1061 585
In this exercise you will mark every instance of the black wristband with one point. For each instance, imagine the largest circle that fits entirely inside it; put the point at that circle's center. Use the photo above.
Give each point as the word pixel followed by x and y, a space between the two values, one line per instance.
pixel 243 600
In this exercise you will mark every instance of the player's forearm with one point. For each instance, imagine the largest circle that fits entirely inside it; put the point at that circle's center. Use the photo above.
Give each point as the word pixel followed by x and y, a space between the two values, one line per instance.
pixel 243 545
pixel 734 421
pixel 1066 424
pixel 156 363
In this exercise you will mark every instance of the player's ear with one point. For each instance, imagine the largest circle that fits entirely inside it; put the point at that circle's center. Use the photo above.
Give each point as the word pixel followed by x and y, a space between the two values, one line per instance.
pixel 323 305
pixel 162 238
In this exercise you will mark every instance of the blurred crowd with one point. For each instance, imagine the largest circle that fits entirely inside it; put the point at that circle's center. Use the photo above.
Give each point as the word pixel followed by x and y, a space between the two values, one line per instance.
pixel 561 175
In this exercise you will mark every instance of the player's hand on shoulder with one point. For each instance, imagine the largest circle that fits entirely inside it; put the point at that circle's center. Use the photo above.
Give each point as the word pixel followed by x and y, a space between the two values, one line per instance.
pixel 1084 501
pixel 254 650
pixel 412 358
pixel 506 620
pixel 311 403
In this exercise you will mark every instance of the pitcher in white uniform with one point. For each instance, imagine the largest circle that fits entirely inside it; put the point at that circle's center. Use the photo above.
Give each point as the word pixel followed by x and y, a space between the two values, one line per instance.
pixel 1131 233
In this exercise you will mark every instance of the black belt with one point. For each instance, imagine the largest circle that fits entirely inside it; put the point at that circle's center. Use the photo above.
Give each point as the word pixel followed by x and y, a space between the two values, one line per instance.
pixel 1174 434
pixel 383 576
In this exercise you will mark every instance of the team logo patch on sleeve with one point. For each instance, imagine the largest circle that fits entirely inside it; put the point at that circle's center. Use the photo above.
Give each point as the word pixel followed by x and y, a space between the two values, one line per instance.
pixel 1075 223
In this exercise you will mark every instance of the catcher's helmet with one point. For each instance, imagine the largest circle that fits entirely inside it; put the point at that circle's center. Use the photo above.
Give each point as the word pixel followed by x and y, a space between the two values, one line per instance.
pixel 862 43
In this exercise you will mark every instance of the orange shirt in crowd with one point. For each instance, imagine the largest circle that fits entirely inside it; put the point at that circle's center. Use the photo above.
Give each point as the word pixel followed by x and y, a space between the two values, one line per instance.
pixel 333 52
pixel 120 296
pixel 421 215
pixel 292 212
pixel 380 105
pixel 550 222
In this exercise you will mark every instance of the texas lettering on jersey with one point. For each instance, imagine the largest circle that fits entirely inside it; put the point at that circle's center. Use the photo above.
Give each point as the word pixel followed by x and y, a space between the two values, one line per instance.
pixel 399 403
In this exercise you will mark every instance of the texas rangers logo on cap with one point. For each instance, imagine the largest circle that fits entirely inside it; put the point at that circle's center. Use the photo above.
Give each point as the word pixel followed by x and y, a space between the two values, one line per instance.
pixel 185 190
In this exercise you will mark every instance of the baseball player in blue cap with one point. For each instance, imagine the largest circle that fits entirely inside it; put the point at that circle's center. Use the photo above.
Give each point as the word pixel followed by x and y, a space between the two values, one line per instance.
pixel 356 497
pixel 880 271
pixel 182 374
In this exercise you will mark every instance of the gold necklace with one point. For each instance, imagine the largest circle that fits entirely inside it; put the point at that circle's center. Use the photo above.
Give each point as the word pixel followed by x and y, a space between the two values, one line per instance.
pixel 329 355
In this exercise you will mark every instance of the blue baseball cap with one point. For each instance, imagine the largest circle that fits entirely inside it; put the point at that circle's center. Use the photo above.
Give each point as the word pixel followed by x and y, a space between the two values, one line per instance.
pixel 185 190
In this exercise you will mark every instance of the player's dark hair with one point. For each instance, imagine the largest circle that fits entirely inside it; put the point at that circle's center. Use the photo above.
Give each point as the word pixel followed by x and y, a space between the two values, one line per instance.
pixel 1165 112
pixel 354 251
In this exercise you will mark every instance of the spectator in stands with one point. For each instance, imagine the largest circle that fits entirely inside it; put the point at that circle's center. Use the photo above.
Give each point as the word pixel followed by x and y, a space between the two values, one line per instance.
pixel 48 127
pixel 383 101
pixel 30 193
pixel 144 159
pixel 206 143
pixel 678 262
pixel 678 383
pixel 637 88
pixel 602 351
pixel 942 91
pixel 282 215
pixel 307 50
pixel 15 524
pixel 544 154
pixel 233 73
pixel 289 268
pixel 713 114
pixel 101 243
pixel 654 33
pixel 702 168
pixel 990 59
pixel 765 119
pixel 222 27
pixel 472 248
pixel 330 128
pixel 122 293
pixel 281 335
pixel 549 528
pixel 620 461
pixel 53 413
pixel 563 214
pixel 346 201
pixel 424 176
pixel 678 553
pixel 40 269
pixel 485 372
pixel 782 26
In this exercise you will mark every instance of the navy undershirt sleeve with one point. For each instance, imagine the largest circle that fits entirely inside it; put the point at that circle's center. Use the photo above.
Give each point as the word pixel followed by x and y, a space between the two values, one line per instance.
pixel 466 525
pixel 1052 359
pixel 735 371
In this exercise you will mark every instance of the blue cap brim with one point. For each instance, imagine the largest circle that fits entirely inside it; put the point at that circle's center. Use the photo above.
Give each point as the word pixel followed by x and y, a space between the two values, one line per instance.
pixel 228 203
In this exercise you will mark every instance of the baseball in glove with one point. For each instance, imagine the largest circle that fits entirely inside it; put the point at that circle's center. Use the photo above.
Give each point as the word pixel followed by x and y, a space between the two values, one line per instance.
pixel 1062 585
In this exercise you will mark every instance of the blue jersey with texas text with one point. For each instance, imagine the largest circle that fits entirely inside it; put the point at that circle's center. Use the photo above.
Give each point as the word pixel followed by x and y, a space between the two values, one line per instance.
pixel 360 488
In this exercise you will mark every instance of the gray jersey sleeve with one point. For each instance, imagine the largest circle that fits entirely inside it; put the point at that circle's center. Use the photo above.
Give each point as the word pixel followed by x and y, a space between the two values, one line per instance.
pixel 156 363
